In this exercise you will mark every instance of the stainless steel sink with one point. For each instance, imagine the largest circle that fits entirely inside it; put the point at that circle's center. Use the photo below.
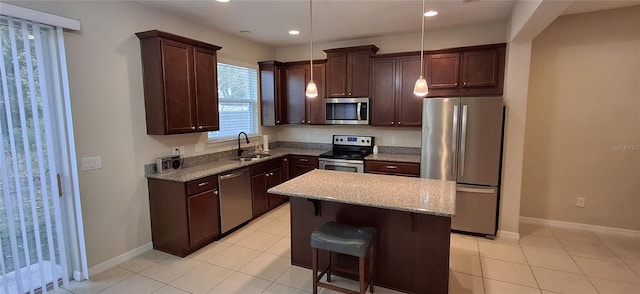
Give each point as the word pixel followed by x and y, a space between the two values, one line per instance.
pixel 253 157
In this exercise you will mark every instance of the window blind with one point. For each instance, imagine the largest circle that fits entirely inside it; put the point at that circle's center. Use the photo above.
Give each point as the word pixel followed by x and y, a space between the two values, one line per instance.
pixel 237 101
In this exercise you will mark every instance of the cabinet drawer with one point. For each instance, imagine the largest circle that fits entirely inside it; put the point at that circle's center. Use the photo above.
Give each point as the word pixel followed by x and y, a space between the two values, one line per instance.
pixel 266 166
pixel 304 160
pixel 201 185
pixel 393 168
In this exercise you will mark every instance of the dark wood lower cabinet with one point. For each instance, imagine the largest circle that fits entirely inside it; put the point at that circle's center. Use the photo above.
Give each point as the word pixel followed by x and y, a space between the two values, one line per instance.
pixel 184 216
pixel 393 168
pixel 264 176
pixel 301 164
pixel 412 251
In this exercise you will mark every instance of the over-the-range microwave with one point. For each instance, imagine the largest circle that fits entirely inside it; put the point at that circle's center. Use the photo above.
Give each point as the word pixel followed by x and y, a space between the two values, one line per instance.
pixel 346 111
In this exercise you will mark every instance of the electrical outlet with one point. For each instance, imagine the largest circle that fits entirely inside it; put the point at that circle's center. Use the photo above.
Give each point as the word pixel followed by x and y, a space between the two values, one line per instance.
pixel 580 202
pixel 177 150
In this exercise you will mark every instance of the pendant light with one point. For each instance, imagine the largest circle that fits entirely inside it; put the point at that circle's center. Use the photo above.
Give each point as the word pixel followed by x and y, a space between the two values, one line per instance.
pixel 421 89
pixel 312 89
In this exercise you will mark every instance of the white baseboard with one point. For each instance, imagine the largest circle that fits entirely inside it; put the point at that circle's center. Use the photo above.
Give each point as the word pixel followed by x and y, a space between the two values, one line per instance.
pixel 508 235
pixel 579 226
pixel 96 269
pixel 77 276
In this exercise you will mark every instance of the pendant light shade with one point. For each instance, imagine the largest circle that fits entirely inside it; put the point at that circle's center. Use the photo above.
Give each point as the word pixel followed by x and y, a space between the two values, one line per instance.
pixel 421 89
pixel 312 89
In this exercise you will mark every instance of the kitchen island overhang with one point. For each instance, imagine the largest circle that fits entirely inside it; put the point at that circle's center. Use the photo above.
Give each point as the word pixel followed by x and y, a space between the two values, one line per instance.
pixel 412 216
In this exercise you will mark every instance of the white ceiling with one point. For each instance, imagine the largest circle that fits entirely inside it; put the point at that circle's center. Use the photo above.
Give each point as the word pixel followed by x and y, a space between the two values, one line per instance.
pixel 269 21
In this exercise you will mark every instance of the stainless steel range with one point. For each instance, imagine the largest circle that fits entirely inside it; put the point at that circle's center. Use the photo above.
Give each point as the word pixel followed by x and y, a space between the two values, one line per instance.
pixel 347 154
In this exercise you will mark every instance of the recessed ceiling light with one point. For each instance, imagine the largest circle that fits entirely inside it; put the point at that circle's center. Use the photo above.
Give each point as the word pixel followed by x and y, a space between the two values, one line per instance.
pixel 294 32
pixel 431 13
pixel 224 1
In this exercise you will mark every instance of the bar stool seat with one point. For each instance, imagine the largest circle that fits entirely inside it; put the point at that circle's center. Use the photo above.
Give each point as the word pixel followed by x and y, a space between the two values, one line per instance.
pixel 343 239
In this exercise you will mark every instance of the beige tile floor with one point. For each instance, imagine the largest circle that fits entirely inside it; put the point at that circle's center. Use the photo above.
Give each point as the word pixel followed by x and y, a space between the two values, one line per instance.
pixel 256 259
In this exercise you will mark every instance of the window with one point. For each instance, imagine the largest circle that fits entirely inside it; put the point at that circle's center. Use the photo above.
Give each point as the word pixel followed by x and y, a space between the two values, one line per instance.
pixel 238 101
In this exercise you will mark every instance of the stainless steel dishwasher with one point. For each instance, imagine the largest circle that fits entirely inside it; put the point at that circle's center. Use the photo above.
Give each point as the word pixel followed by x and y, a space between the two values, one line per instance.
pixel 235 198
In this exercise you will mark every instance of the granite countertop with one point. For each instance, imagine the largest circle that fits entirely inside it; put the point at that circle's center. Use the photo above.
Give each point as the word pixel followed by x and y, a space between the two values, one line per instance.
pixel 426 196
pixel 394 157
pixel 217 167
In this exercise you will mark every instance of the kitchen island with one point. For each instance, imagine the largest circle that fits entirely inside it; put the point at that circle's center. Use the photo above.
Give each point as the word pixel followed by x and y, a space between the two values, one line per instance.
pixel 412 216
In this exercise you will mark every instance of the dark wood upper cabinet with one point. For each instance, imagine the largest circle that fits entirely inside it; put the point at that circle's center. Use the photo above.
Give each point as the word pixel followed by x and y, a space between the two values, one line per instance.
pixel 272 94
pixel 282 88
pixel 480 68
pixel 467 71
pixel 180 83
pixel 383 91
pixel 392 100
pixel 296 83
pixel 348 71
pixel 443 70
pixel 315 106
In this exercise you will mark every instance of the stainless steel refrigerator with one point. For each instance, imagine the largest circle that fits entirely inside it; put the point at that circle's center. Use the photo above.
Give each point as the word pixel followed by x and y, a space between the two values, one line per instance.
pixel 462 142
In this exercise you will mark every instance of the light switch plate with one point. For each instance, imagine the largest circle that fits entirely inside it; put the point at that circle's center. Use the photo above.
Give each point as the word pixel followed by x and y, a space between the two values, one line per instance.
pixel 91 163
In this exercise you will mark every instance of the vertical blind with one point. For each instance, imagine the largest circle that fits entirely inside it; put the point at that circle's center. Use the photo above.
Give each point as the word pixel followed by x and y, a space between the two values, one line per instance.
pixel 32 251
pixel 238 101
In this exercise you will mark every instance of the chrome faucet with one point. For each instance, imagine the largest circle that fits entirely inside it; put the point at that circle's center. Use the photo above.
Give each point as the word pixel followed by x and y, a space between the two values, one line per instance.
pixel 247 138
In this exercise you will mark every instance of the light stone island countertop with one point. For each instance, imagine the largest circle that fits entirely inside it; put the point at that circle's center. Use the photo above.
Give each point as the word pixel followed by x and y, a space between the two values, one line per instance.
pixel 394 157
pixel 217 167
pixel 417 195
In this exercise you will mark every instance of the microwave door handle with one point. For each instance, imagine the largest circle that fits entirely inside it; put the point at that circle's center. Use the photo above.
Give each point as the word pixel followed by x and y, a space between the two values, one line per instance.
pixel 358 111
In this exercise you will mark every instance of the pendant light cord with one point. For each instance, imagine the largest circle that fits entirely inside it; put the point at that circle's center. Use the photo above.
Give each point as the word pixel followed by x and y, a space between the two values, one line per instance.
pixel 311 36
pixel 422 42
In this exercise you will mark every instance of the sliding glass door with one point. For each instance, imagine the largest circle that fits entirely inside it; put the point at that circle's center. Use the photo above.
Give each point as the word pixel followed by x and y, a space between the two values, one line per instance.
pixel 32 244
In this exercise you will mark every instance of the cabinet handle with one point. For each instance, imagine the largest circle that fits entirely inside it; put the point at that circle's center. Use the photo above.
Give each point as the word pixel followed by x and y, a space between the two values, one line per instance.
pixel 392 123
pixel 302 121
pixel 277 121
pixel 342 94
pixel 391 167
pixel 308 121
pixel 271 174
pixel 193 128
pixel 304 160
pixel 203 184
pixel 399 122
pixel 266 175
pixel 215 192
pixel 349 93
pixel 464 84
pixel 456 84
pixel 200 127
pixel 285 160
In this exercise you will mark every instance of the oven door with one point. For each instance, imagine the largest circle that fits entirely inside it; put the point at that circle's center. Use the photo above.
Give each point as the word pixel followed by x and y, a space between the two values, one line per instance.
pixel 355 166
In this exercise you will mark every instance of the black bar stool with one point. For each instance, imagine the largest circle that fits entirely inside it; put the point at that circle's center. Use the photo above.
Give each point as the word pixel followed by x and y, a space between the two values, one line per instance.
pixel 354 241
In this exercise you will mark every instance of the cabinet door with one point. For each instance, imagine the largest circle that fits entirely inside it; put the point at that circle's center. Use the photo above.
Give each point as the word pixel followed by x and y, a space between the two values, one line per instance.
pixel 336 74
pixel 179 107
pixel 206 89
pixel 315 111
pixel 203 217
pixel 480 68
pixel 295 97
pixel 259 194
pixel 443 74
pixel 383 91
pixel 358 74
pixel 275 178
pixel 285 169
pixel 409 106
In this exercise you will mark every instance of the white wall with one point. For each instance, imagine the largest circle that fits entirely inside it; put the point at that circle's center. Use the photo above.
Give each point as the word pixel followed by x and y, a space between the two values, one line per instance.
pixel 583 128
pixel 105 76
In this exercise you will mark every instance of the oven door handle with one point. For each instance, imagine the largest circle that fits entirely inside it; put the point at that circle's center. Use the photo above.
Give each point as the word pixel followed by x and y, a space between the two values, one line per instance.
pixel 341 161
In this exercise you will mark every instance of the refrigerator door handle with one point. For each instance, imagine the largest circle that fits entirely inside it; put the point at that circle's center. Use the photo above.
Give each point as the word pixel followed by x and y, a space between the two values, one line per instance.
pixel 454 140
pixel 476 190
pixel 463 140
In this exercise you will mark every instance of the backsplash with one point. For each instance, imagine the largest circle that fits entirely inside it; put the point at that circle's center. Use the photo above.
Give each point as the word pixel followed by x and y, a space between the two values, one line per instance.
pixel 229 154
